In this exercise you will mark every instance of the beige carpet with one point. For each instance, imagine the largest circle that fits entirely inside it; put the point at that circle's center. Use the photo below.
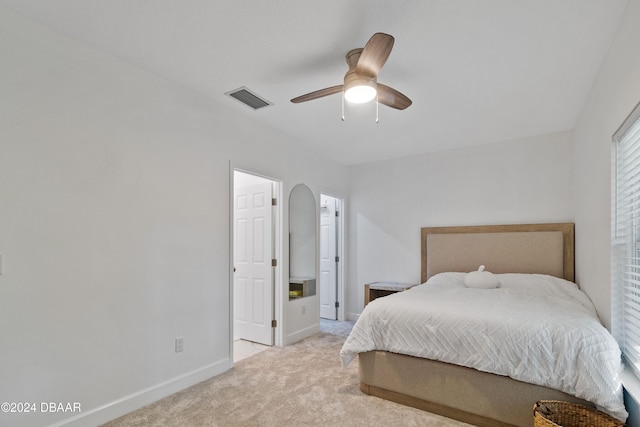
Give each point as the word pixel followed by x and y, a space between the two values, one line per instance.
pixel 302 384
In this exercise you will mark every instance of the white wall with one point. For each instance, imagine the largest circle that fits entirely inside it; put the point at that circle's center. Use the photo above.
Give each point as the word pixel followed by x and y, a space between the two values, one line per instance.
pixel 522 181
pixel 115 226
pixel 615 93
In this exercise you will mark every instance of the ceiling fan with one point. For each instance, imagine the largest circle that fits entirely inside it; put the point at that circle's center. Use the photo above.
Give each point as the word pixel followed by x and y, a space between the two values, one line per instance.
pixel 361 83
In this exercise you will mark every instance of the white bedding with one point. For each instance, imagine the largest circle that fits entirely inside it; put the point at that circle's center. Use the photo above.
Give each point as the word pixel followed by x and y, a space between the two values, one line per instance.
pixel 533 328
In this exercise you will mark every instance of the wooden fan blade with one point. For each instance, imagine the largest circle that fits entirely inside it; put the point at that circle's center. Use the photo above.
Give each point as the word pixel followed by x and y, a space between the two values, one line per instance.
pixel 392 98
pixel 375 54
pixel 317 94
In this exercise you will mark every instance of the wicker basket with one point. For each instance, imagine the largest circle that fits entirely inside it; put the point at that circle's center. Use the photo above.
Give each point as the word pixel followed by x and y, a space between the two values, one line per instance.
pixel 554 413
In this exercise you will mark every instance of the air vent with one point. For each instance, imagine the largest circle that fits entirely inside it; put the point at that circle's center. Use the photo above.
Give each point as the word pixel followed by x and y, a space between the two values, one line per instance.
pixel 248 98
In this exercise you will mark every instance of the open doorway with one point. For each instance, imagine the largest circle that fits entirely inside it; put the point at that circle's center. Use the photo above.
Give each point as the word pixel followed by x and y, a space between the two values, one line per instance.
pixel 255 248
pixel 331 262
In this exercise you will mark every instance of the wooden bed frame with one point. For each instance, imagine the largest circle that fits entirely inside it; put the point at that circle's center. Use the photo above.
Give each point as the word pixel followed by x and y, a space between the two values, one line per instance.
pixel 458 392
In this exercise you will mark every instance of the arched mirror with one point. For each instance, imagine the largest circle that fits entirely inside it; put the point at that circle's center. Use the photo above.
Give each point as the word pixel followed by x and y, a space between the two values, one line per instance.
pixel 302 242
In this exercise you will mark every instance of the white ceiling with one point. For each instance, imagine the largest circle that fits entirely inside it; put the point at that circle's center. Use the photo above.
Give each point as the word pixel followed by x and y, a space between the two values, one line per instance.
pixel 478 71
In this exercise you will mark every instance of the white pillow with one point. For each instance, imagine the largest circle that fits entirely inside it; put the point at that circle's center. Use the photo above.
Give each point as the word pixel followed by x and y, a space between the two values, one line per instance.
pixel 481 279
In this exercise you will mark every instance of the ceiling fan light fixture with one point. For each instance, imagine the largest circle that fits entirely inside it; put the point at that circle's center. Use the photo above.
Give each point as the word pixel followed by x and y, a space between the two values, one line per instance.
pixel 361 90
pixel 361 80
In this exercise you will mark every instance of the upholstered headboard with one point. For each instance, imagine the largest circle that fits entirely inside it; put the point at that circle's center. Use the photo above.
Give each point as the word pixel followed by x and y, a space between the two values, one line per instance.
pixel 517 248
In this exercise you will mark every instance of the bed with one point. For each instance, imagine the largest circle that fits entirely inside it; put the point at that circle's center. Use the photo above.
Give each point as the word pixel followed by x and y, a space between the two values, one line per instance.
pixel 459 389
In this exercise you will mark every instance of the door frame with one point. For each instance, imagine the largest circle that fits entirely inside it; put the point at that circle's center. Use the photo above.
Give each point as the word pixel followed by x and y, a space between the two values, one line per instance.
pixel 340 293
pixel 277 252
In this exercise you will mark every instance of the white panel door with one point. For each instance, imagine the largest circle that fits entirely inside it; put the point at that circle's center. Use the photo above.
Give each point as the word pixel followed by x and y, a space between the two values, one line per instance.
pixel 253 283
pixel 328 252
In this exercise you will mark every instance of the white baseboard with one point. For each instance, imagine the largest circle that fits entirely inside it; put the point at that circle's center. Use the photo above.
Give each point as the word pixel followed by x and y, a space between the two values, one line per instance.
pixel 353 316
pixel 137 400
pixel 303 333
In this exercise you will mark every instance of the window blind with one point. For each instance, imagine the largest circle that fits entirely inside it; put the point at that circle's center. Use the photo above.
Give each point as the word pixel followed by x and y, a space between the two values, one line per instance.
pixel 625 248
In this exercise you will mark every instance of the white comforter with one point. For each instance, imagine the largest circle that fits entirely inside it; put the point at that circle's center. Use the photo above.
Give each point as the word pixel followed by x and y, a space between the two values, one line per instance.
pixel 533 328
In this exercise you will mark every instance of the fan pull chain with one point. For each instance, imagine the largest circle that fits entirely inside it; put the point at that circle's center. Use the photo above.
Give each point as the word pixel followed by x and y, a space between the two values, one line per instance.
pixel 377 106
pixel 342 106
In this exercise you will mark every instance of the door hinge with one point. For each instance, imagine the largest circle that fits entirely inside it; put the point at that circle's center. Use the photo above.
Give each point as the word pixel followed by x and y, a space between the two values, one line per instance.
pixel 274 323
pixel 337 259
pixel 337 213
pixel 274 263
pixel 274 202
pixel 337 304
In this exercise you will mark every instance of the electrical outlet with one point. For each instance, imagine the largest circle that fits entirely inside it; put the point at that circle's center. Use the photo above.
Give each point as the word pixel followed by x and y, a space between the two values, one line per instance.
pixel 179 344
